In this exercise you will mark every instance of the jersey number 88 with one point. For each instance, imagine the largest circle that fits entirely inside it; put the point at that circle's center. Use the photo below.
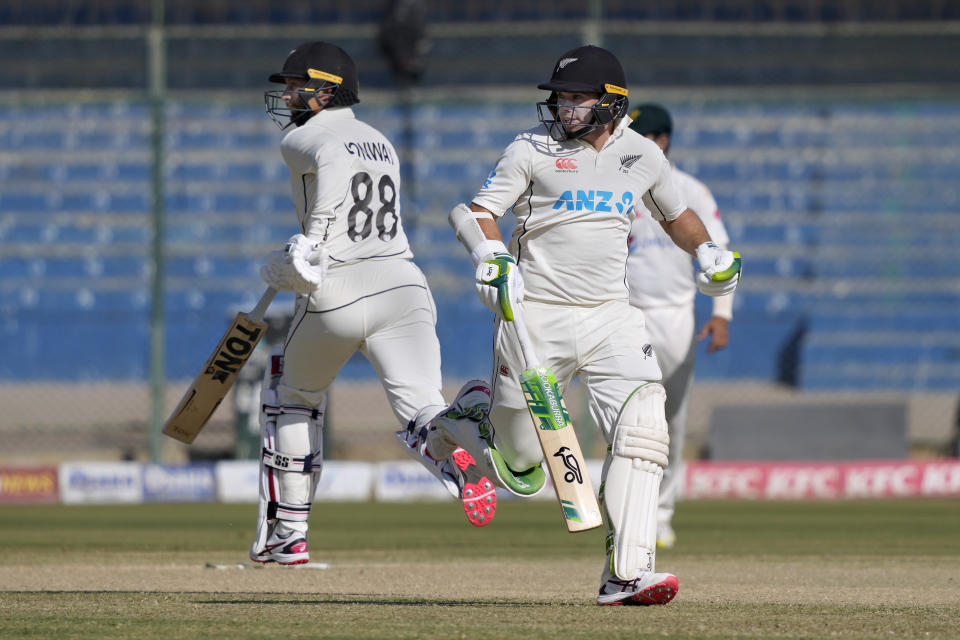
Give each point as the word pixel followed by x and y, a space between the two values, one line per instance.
pixel 361 205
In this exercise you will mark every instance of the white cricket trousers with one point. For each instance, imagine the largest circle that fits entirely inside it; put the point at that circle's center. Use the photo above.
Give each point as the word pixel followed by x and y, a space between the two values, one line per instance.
pixel 672 332
pixel 606 345
pixel 385 310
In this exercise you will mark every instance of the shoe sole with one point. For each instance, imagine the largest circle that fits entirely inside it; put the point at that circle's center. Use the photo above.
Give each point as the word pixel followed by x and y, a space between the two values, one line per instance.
pixel 659 593
pixel 284 564
pixel 479 495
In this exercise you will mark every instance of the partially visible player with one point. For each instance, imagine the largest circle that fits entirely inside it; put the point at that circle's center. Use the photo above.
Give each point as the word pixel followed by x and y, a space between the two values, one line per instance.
pixel 572 183
pixel 366 295
pixel 662 285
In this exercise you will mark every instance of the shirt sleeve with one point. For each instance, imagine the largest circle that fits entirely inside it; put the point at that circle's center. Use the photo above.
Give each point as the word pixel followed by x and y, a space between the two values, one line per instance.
pixel 508 180
pixel 663 199
pixel 311 173
pixel 705 206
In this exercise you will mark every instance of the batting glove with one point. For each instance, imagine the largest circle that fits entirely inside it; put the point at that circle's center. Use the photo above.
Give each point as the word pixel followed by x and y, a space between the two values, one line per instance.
pixel 293 268
pixel 499 284
pixel 719 271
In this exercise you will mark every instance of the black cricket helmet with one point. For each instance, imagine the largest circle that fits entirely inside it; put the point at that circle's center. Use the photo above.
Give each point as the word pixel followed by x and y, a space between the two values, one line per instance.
pixel 586 69
pixel 327 69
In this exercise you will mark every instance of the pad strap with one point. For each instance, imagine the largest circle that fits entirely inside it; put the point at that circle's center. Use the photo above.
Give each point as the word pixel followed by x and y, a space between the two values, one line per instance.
pixel 279 410
pixel 284 462
pixel 287 511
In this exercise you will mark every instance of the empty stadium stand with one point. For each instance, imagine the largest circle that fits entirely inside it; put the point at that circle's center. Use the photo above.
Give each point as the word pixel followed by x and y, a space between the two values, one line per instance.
pixel 846 212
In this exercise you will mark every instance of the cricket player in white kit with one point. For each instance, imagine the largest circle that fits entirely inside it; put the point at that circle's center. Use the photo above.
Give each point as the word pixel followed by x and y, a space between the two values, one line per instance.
pixel 364 294
pixel 573 183
pixel 661 282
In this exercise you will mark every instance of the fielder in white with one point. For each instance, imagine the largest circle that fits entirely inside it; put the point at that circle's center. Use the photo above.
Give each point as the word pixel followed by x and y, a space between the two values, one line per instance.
pixel 362 292
pixel 573 183
pixel 661 281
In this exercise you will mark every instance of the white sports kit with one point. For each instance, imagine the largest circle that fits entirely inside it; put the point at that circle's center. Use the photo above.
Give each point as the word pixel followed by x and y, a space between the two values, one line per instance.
pixel 660 277
pixel 345 181
pixel 574 206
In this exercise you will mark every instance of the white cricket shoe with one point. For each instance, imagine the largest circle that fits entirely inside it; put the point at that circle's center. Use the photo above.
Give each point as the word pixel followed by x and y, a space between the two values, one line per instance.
pixel 648 588
pixel 287 549
pixel 452 465
pixel 459 475
pixel 414 442
pixel 666 537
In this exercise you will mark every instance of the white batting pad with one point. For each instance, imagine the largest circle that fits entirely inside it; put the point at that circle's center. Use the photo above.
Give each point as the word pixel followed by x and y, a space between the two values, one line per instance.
pixel 631 480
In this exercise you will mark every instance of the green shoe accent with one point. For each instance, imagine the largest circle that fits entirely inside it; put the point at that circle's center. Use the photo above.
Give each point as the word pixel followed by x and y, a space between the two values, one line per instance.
pixel 524 483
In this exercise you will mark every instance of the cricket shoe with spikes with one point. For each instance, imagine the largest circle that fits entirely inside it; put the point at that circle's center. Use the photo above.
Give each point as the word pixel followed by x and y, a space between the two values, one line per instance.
pixel 646 589
pixel 285 549
pixel 465 425
pixel 477 493
pixel 454 467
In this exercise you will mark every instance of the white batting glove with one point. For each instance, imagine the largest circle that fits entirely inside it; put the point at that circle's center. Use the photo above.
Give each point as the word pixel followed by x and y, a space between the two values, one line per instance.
pixel 499 284
pixel 719 271
pixel 293 268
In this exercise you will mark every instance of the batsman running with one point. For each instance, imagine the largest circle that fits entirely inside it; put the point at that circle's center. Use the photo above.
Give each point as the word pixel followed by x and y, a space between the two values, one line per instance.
pixel 573 183
pixel 364 293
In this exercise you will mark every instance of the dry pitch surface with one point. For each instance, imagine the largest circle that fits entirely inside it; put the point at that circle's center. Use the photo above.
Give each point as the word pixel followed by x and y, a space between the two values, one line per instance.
pixel 873 569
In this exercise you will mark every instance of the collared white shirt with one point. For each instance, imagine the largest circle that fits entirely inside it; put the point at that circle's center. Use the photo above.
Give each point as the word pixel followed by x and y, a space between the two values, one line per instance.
pixel 574 206
pixel 345 182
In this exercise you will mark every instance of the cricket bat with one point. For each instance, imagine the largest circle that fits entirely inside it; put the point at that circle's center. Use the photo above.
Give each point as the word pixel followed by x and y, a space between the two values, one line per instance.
pixel 219 373
pixel 561 449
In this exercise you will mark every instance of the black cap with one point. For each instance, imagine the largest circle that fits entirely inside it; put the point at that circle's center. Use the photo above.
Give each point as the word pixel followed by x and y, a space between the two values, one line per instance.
pixel 587 69
pixel 320 56
pixel 651 118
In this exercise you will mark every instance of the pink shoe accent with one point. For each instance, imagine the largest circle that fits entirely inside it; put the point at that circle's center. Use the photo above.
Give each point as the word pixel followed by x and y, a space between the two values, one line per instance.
pixel 479 501
pixel 660 593
pixel 462 459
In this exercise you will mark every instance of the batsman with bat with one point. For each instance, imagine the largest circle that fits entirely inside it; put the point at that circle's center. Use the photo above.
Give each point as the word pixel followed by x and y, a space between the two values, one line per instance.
pixel 573 183
pixel 363 294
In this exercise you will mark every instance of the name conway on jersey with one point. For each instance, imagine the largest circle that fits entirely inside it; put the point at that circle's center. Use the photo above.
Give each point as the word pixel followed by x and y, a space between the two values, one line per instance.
pixel 363 221
pixel 580 264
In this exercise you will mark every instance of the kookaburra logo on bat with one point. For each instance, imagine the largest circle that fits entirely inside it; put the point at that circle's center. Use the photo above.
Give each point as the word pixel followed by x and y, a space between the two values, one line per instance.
pixel 570 462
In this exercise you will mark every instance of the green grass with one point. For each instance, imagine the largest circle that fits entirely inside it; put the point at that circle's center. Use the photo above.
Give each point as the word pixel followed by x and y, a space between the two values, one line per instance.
pixel 861 569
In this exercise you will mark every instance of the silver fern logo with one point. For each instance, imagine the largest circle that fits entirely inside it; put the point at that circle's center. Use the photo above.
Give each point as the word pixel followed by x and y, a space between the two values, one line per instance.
pixel 626 162
pixel 565 62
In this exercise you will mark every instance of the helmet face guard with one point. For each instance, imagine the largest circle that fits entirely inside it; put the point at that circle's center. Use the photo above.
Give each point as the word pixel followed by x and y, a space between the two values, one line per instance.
pixel 611 106
pixel 305 101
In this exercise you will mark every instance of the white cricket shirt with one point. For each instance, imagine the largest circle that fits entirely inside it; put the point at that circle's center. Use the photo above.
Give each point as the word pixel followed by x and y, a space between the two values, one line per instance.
pixel 574 207
pixel 345 181
pixel 658 271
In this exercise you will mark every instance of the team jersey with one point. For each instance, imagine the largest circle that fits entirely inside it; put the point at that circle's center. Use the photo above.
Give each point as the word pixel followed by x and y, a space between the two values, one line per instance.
pixel 574 206
pixel 658 271
pixel 345 180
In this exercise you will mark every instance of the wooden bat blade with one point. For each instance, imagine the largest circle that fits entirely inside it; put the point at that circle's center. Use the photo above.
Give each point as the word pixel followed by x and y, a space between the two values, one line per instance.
pixel 561 449
pixel 215 379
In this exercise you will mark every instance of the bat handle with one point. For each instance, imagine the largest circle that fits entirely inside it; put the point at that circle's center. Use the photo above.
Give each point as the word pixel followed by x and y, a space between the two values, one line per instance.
pixel 529 357
pixel 264 302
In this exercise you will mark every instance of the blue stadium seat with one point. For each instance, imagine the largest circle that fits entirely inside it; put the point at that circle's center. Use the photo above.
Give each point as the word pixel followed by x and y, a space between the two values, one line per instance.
pixel 18 267
pixel 133 171
pixel 28 201
pixel 129 202
pixel 194 171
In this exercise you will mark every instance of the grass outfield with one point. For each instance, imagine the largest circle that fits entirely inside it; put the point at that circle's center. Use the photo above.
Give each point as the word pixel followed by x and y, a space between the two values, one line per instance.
pixel 866 569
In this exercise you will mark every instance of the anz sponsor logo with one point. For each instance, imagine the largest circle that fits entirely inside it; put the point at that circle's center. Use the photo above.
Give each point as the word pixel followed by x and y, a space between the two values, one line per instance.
pixel 594 200
pixel 486 183
pixel 378 151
